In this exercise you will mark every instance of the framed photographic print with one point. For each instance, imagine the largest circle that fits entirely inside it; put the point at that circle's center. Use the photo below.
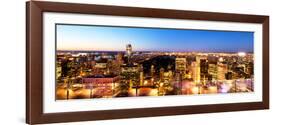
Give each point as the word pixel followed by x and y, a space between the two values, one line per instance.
pixel 95 62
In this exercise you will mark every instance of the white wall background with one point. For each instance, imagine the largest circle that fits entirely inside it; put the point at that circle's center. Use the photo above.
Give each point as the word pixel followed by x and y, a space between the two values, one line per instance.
pixel 12 61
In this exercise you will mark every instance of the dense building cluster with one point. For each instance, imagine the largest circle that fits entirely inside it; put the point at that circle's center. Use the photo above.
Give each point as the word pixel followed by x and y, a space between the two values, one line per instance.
pixel 101 74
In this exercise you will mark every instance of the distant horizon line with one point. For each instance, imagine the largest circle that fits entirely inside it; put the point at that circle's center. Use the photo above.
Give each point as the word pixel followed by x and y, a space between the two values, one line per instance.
pixel 157 51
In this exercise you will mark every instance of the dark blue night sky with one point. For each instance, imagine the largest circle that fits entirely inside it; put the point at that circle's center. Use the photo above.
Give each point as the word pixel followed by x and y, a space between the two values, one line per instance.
pixel 78 37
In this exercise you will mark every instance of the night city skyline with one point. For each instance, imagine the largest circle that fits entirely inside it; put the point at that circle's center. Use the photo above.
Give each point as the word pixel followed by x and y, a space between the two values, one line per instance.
pixel 110 62
pixel 107 38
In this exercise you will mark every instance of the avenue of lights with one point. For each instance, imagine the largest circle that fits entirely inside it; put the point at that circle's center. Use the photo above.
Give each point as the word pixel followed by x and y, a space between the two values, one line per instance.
pixel 128 73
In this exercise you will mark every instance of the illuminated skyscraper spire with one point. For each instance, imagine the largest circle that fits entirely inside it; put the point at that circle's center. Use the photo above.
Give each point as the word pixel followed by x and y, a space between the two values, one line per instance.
pixel 129 51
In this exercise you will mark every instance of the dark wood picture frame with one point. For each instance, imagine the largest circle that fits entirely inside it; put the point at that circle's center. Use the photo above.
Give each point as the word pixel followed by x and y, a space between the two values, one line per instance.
pixel 34 61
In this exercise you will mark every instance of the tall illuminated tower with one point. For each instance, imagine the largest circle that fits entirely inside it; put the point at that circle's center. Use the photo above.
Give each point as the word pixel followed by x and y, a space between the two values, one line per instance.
pixel 180 66
pixel 129 51
pixel 141 75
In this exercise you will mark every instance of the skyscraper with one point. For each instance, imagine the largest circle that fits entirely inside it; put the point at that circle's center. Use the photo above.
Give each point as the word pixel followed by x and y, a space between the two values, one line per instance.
pixel 141 75
pixel 222 70
pixel 181 66
pixel 129 52
pixel 213 70
pixel 204 66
